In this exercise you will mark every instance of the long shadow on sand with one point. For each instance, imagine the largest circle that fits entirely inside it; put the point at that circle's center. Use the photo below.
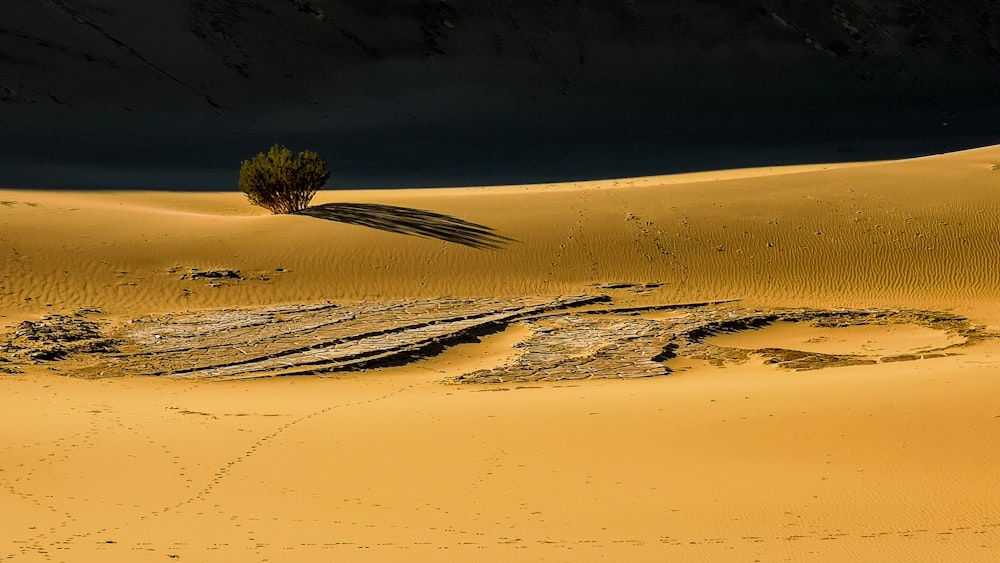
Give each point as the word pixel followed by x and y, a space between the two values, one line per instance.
pixel 409 221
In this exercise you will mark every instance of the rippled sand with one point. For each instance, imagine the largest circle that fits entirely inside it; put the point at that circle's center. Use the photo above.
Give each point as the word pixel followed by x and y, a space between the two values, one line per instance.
pixel 786 364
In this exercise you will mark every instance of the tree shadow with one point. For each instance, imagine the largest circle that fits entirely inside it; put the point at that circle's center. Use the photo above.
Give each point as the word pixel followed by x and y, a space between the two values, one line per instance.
pixel 409 221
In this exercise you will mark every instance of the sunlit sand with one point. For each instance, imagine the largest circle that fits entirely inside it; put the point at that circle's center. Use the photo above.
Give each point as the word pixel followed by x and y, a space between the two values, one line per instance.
pixel 783 364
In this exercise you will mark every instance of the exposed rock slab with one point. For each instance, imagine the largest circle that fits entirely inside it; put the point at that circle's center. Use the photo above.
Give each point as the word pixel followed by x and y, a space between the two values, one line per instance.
pixel 612 343
pixel 311 339
pixel 569 338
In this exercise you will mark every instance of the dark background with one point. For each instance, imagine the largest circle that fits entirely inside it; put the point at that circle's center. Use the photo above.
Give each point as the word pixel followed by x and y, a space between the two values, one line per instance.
pixel 172 94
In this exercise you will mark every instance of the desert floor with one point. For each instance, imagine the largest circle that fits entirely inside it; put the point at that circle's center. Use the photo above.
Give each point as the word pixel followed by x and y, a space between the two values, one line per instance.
pixel 787 364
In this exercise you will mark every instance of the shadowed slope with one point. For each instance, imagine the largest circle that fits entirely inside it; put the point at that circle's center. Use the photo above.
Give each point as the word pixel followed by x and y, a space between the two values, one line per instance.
pixel 409 221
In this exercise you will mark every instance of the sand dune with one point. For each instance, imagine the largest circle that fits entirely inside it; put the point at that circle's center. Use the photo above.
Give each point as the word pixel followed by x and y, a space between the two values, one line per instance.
pixel 811 358
pixel 919 230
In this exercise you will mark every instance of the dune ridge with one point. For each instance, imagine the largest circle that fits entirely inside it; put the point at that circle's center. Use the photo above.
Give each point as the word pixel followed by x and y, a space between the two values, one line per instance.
pixel 920 230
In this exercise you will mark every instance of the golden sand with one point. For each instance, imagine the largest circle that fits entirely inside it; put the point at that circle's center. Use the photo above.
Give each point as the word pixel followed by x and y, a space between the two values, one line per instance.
pixel 733 456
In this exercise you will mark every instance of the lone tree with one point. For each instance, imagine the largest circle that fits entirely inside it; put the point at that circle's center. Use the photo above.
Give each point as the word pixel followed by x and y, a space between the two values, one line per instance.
pixel 283 182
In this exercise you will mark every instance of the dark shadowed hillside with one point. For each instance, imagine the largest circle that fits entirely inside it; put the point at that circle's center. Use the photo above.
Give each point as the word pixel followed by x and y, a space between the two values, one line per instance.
pixel 172 94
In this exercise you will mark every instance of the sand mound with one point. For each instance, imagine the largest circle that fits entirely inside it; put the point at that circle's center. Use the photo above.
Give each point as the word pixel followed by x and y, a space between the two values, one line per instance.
pixel 920 233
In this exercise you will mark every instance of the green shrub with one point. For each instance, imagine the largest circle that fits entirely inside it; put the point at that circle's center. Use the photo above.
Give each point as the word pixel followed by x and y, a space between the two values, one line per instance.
pixel 282 182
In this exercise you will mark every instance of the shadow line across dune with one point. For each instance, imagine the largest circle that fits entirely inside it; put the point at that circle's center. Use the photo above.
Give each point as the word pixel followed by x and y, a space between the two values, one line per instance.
pixel 409 221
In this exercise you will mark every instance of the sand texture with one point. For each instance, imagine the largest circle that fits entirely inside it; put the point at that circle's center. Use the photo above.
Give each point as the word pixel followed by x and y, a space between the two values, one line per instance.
pixel 787 364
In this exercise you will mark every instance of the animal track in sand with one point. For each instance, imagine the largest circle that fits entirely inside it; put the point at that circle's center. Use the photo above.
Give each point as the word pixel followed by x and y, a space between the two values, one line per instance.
pixel 225 469
pixel 24 483
pixel 810 535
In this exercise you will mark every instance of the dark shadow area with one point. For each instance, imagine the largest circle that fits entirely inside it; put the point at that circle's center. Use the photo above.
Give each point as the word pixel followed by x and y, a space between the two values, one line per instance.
pixel 501 93
pixel 409 221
